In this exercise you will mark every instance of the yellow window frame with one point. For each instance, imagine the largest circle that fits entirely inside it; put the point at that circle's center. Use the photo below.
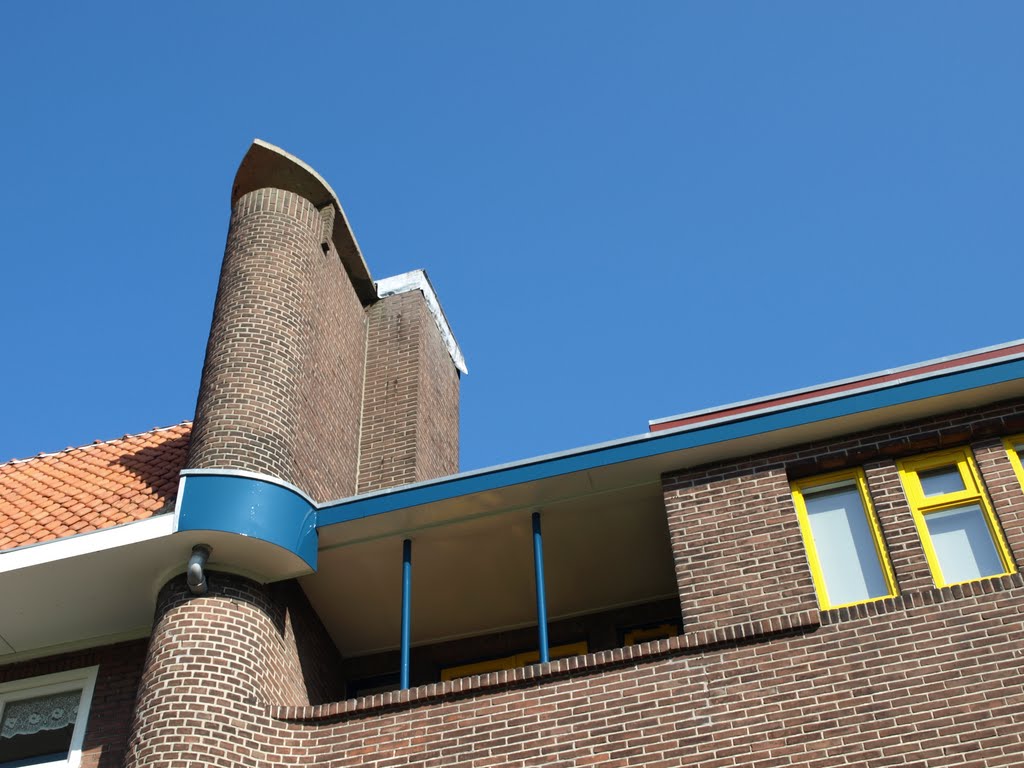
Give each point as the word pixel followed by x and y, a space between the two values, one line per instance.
pixel 659 632
pixel 973 493
pixel 835 480
pixel 1013 446
pixel 512 662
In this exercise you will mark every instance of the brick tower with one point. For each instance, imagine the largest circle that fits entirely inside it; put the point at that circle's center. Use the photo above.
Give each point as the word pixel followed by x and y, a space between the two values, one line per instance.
pixel 318 383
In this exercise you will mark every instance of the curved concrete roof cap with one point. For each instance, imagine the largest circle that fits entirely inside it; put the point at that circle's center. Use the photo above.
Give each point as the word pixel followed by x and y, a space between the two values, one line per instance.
pixel 265 165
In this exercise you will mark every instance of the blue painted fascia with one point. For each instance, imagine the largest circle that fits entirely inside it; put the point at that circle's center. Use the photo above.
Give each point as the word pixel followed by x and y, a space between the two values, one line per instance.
pixel 249 506
pixel 654 444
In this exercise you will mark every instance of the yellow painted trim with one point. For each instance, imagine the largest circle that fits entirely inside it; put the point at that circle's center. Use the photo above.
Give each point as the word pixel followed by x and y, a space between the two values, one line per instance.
pixel 511 662
pixel 974 493
pixel 659 632
pixel 857 478
pixel 1010 444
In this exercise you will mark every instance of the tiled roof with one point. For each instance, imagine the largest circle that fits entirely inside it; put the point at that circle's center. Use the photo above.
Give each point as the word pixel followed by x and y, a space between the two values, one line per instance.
pixel 97 486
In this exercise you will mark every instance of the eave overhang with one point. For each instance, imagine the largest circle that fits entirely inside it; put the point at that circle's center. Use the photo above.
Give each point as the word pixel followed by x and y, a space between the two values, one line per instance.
pixel 105 582
pixel 643 458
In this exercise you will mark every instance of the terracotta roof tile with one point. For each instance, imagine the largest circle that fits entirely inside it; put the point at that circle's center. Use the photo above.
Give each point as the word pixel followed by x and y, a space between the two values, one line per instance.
pixel 96 486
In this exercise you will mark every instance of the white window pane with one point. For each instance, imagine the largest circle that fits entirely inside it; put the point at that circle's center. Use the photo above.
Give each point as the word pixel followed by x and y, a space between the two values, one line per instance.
pixel 963 544
pixel 38 730
pixel 935 482
pixel 845 546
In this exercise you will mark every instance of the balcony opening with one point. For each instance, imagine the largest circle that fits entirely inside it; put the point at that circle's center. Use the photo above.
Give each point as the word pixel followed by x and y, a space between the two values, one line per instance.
pixel 609 582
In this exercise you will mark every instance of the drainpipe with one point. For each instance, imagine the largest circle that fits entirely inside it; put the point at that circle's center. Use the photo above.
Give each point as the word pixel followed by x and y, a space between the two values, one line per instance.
pixel 406 613
pixel 538 577
pixel 196 578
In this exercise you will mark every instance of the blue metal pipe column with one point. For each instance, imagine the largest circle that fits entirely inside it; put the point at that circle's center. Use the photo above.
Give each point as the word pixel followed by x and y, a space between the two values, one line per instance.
pixel 406 610
pixel 538 574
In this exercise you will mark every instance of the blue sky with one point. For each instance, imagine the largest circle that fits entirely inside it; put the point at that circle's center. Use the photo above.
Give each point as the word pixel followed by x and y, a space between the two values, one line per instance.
pixel 628 210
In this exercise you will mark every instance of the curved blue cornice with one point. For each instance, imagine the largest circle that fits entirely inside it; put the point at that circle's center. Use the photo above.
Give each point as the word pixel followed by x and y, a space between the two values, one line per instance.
pixel 264 508
pixel 249 505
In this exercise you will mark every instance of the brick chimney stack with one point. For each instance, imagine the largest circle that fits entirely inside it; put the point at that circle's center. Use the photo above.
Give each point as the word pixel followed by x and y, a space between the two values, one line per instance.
pixel 311 377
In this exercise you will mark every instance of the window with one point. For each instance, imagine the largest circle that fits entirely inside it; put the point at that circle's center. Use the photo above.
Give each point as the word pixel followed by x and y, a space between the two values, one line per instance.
pixel 510 662
pixel 1014 447
pixel 843 540
pixel 954 519
pixel 42 719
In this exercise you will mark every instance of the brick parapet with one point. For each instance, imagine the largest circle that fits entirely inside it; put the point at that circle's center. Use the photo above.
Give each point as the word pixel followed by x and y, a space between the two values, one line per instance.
pixel 936 680
pixel 537 674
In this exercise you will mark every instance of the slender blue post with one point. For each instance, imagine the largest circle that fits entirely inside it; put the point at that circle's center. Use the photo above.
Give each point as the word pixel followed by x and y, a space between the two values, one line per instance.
pixel 406 610
pixel 542 604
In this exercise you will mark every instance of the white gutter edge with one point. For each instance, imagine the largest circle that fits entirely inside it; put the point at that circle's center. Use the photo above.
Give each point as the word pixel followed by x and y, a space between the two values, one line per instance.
pixel 854 379
pixel 417 280
pixel 246 473
pixel 87 543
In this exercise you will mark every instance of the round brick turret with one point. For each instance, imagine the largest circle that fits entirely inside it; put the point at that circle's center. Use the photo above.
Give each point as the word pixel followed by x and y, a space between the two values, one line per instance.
pixel 247 416
pixel 213 665
pixel 282 385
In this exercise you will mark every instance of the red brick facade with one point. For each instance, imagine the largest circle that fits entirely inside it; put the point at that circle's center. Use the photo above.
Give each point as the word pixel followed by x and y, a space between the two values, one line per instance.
pixel 284 364
pixel 303 383
pixel 113 701
pixel 337 394
pixel 410 380
pixel 742 513
pixel 759 676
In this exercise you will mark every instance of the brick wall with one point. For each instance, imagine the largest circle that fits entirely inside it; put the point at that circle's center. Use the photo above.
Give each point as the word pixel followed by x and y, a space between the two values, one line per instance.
pixel 110 716
pixel 296 387
pixel 411 398
pixel 936 681
pixel 215 661
pixel 760 677
pixel 437 419
pixel 738 551
pixel 282 382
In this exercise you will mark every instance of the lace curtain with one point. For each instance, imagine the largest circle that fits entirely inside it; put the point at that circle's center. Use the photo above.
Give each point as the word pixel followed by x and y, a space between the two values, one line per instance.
pixel 43 713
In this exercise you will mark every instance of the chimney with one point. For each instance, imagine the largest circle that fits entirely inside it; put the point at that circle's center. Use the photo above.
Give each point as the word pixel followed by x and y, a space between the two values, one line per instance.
pixel 310 377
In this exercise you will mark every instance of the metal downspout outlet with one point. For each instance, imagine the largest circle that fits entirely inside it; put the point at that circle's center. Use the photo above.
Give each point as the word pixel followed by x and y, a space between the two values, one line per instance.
pixel 196 578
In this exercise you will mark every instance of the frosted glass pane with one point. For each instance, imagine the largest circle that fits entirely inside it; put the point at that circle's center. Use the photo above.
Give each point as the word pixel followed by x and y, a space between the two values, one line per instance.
pixel 935 482
pixel 845 547
pixel 963 544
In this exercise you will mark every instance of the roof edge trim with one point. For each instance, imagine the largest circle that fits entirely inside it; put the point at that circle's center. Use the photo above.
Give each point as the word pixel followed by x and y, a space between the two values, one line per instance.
pixel 417 280
pixel 87 543
pixel 655 443
pixel 889 376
